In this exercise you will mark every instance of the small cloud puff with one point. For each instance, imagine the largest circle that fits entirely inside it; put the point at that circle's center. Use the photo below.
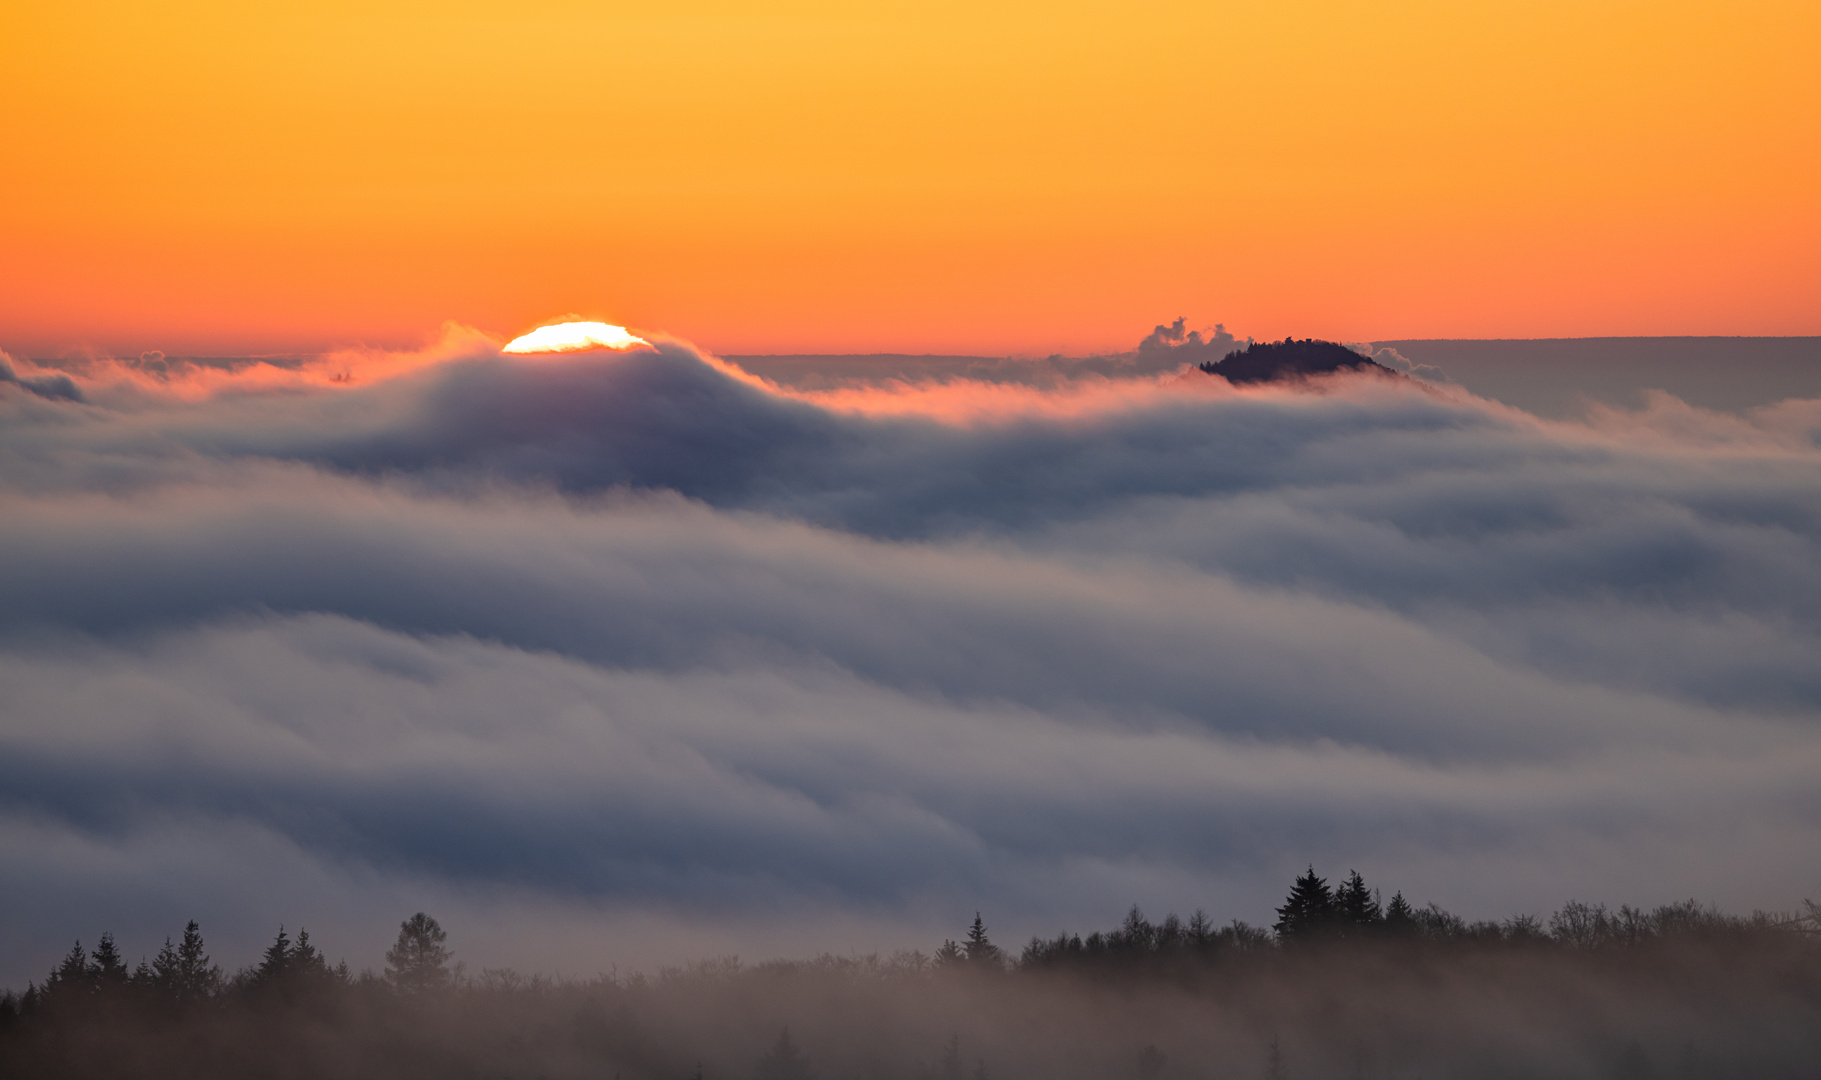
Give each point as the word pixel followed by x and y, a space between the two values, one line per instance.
pixel 1396 361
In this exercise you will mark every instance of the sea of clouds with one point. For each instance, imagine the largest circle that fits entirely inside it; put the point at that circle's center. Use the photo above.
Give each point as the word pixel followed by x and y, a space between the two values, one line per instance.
pixel 631 659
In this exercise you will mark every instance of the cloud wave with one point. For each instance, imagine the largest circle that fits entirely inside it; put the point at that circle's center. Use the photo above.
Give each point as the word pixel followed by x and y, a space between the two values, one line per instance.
pixel 645 641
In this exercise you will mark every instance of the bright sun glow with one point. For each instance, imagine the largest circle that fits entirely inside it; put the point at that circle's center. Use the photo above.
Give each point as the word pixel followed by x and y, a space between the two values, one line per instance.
pixel 574 337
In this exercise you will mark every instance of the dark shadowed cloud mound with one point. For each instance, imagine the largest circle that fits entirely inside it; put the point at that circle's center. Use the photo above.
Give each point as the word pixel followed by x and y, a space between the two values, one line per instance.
pixel 641 645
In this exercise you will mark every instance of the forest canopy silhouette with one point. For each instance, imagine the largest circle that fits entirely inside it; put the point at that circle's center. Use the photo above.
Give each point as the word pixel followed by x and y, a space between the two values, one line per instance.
pixel 1265 361
pixel 1343 984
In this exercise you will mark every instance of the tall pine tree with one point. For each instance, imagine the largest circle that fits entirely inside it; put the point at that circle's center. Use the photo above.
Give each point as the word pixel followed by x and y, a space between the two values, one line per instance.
pixel 417 961
pixel 1400 917
pixel 70 978
pixel 1356 909
pixel 980 952
pixel 107 968
pixel 1308 911
pixel 162 975
pixel 275 962
pixel 195 979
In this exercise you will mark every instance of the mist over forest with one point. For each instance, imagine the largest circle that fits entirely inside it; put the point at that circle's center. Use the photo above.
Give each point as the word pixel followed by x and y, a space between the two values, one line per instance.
pixel 1343 984
pixel 618 663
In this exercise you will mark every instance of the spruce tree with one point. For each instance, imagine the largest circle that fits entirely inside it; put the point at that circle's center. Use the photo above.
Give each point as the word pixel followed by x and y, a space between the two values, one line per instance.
pixel 1400 917
pixel 1308 911
pixel 783 1061
pixel 71 976
pixel 275 962
pixel 304 957
pixel 106 966
pixel 194 978
pixel 1356 908
pixel 163 975
pixel 978 951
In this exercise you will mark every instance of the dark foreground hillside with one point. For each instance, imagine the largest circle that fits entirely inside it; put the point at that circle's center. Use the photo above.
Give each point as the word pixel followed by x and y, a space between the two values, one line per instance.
pixel 1679 993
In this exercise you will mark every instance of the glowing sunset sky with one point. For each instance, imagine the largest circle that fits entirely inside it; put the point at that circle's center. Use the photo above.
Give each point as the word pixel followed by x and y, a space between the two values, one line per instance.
pixel 205 176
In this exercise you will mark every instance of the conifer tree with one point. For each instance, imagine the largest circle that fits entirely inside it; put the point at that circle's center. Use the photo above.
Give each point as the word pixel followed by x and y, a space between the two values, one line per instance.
pixel 1355 907
pixel 978 951
pixel 1308 911
pixel 71 975
pixel 783 1061
pixel 106 966
pixel 162 976
pixel 289 966
pixel 304 957
pixel 275 962
pixel 194 978
pixel 1400 917
pixel 417 961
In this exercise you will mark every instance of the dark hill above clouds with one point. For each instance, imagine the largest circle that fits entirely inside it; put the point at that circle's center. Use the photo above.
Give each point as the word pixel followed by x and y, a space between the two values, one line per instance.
pixel 1267 361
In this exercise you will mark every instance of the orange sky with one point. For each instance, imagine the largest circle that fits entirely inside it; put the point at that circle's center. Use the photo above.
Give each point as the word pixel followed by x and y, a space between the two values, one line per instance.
pixel 225 177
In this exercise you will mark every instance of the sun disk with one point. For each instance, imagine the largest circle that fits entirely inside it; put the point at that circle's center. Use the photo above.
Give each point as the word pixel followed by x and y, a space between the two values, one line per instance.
pixel 574 337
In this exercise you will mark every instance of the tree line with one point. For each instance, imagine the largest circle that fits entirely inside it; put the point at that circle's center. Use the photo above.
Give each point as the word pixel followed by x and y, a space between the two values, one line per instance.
pixel 1344 983
pixel 182 973
pixel 1316 913
pixel 1313 913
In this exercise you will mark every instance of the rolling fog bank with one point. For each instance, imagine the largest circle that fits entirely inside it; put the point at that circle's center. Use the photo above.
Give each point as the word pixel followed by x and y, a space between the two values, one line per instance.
pixel 638 658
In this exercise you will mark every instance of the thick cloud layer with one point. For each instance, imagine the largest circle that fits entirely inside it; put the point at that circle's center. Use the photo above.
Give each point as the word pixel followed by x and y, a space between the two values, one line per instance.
pixel 641 652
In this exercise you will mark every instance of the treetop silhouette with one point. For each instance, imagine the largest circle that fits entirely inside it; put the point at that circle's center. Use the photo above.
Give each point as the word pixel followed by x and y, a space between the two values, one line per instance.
pixel 1308 911
pixel 418 962
pixel 1267 361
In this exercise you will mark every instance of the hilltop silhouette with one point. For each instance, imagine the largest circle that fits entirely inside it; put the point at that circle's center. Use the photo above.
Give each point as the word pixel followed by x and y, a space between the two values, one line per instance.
pixel 1268 361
